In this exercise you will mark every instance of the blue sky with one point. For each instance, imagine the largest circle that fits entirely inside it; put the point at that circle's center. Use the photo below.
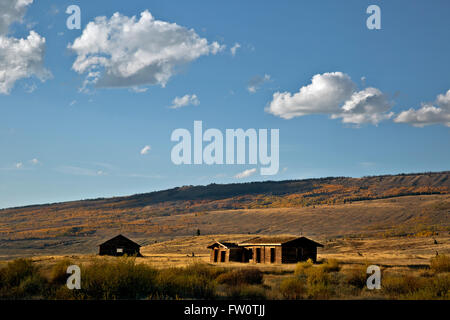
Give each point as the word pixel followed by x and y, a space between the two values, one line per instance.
pixel 61 140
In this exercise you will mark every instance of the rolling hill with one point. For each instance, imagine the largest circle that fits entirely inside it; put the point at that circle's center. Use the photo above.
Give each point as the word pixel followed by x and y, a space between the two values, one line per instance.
pixel 327 207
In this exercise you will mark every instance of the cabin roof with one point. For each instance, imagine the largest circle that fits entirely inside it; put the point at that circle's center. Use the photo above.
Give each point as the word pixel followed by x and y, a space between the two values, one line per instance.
pixel 224 244
pixel 120 239
pixel 277 240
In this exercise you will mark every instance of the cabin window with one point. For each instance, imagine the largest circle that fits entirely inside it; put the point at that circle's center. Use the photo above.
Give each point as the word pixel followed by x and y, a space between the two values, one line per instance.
pixel 119 250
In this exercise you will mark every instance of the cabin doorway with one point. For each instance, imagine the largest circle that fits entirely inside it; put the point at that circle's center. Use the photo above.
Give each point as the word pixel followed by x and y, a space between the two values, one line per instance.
pixel 272 255
pixel 258 255
pixel 222 256
pixel 216 255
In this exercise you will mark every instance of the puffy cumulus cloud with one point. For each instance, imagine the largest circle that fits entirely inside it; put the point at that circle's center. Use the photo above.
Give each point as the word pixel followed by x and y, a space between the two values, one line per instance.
pixel 324 95
pixel 367 106
pixel 19 58
pixel 11 11
pixel 245 173
pixel 184 101
pixel 428 114
pixel 256 82
pixel 130 52
pixel 335 94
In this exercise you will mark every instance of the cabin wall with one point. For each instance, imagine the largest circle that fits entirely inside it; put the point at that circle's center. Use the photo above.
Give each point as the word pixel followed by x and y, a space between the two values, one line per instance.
pixel 111 250
pixel 296 254
pixel 265 254
pixel 219 255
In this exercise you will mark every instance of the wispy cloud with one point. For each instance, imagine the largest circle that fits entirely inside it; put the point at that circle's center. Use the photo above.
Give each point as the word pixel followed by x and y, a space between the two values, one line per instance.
pixel 79 171
pixel 245 173
pixel 256 82
pixel 145 150
pixel 184 101
pixel 234 48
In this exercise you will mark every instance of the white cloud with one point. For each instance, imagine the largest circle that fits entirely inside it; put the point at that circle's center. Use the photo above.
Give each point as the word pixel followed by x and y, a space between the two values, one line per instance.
pixel 245 173
pixel 334 94
pixel 256 82
pixel 19 58
pixel 127 52
pixel 367 106
pixel 12 11
pixel 19 165
pixel 185 100
pixel 35 161
pixel 234 48
pixel 145 150
pixel 428 114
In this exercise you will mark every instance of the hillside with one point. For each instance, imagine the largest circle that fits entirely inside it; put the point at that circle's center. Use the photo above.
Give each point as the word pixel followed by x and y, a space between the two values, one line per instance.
pixel 326 207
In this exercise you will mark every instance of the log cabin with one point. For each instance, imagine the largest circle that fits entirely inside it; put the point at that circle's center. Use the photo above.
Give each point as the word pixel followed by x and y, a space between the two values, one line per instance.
pixel 273 249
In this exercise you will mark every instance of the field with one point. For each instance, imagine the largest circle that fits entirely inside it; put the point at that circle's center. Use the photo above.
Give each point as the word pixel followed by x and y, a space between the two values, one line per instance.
pixel 400 223
pixel 383 218
pixel 340 273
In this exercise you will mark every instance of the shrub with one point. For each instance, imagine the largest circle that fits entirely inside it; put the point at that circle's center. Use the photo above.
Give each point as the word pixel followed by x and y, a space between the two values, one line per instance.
pixel 292 288
pixel 357 277
pixel 59 272
pixel 317 276
pixel 320 290
pixel 318 283
pixel 440 263
pixel 16 271
pixel 194 282
pixel 332 265
pixel 301 267
pixel 246 292
pixel 33 286
pixel 120 279
pixel 437 287
pixel 241 276
pixel 396 286
pixel 20 279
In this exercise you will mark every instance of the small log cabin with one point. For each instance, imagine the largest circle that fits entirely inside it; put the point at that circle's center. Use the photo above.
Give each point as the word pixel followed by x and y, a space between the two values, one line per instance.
pixel 265 250
pixel 119 246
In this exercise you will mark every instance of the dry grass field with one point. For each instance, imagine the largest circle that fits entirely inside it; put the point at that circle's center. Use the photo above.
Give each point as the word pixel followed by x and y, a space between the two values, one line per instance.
pixel 394 252
pixel 401 223
pixel 384 218
pixel 171 270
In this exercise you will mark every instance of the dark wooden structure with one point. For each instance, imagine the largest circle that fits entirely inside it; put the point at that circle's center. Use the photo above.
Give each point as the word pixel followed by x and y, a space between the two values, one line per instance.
pixel 119 246
pixel 225 252
pixel 275 249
